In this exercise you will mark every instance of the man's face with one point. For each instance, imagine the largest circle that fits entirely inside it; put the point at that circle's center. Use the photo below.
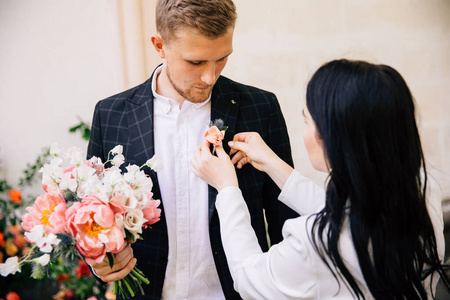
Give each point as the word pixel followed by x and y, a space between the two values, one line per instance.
pixel 193 63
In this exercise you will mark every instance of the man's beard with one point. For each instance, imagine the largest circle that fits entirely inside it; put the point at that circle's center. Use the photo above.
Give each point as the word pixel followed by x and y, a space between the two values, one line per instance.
pixel 187 94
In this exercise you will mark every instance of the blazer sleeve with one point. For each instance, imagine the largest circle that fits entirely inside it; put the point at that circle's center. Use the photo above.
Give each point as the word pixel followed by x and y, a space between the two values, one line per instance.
pixel 277 139
pixel 95 146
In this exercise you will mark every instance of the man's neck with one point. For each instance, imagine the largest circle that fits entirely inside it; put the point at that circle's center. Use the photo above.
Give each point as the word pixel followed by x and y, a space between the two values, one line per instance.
pixel 164 87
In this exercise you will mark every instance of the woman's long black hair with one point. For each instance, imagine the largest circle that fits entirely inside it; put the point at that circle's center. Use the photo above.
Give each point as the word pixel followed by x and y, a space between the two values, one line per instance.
pixel 365 118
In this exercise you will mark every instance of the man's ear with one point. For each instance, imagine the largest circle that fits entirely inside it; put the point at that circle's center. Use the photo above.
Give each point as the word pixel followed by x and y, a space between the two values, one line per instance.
pixel 158 43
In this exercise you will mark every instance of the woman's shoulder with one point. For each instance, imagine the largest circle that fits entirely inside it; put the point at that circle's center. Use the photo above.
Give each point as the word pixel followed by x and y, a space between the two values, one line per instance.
pixel 302 194
pixel 299 229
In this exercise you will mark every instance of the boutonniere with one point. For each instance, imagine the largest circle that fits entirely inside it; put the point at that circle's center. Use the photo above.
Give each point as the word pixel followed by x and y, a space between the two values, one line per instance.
pixel 216 133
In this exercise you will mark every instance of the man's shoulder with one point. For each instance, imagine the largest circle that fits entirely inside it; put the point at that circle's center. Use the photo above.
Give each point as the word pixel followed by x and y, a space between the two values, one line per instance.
pixel 226 85
pixel 136 95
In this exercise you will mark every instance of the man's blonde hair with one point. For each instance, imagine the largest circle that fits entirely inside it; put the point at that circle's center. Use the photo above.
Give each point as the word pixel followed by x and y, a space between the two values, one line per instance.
pixel 211 18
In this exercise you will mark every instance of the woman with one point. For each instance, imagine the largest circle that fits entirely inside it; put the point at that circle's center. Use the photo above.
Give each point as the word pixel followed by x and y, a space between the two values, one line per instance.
pixel 373 232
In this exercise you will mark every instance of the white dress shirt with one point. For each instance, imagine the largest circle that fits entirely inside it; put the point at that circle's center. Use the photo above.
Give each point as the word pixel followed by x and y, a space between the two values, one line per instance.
pixel 191 271
pixel 292 269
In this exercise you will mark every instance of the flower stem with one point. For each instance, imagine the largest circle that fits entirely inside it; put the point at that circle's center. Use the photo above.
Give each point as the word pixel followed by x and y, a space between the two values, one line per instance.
pixel 130 290
pixel 24 259
pixel 139 275
pixel 123 293
pixel 116 287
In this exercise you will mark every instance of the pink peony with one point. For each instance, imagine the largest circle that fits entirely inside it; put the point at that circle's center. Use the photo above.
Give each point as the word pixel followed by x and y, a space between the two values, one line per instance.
pixel 91 222
pixel 151 213
pixel 48 210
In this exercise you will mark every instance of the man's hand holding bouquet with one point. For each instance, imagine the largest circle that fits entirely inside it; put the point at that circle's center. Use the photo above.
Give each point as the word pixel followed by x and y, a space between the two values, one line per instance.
pixel 90 211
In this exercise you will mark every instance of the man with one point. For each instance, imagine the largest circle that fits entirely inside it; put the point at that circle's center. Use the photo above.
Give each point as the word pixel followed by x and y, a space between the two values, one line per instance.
pixel 182 254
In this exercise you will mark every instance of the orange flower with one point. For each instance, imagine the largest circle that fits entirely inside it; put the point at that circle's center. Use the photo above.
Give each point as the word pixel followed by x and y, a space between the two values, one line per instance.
pixel 12 296
pixel 2 239
pixel 10 248
pixel 15 229
pixel 214 135
pixel 19 240
pixel 63 278
pixel 26 250
pixel 82 269
pixel 110 296
pixel 15 196
pixel 64 295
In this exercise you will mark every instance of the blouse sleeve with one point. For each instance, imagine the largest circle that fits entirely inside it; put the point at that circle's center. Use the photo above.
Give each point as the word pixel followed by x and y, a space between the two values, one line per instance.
pixel 302 195
pixel 286 271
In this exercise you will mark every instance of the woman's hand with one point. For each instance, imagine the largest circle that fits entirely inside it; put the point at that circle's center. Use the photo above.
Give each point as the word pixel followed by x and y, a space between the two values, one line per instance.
pixel 217 171
pixel 250 148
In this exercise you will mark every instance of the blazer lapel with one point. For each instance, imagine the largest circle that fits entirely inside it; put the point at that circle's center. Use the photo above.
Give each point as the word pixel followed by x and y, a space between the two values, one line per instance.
pixel 141 131
pixel 140 123
pixel 225 106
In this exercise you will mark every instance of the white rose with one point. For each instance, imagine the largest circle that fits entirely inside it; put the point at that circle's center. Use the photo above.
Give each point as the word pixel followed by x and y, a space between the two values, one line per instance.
pixel 118 221
pixel 133 221
pixel 124 198
pixel 119 197
pixel 141 198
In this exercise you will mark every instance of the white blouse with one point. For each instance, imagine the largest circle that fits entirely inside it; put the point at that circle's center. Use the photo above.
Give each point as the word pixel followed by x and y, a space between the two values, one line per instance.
pixel 291 269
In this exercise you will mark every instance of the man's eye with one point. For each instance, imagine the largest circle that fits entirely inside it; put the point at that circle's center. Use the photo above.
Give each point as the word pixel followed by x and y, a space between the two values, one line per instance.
pixel 195 63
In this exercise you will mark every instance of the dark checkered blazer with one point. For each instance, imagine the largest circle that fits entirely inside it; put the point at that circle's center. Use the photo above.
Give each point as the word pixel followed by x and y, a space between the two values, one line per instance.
pixel 127 119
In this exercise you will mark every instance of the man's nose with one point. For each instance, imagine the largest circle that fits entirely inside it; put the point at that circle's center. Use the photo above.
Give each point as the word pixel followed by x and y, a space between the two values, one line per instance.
pixel 209 74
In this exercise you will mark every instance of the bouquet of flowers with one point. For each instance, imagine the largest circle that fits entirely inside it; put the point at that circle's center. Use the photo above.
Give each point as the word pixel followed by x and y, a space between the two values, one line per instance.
pixel 90 211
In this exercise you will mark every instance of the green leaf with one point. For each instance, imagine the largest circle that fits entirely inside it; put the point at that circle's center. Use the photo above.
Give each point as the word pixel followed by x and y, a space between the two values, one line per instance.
pixel 84 128
pixel 86 134
pixel 110 259
pixel 75 128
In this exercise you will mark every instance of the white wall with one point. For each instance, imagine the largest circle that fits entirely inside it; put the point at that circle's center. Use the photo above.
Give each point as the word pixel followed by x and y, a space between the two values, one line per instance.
pixel 279 44
pixel 59 57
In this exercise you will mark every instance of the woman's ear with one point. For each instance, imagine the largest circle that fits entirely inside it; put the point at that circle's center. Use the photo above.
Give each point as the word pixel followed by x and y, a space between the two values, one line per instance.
pixel 158 43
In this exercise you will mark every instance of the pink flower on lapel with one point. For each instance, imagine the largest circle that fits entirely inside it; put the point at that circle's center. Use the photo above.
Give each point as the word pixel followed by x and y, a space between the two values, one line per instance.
pixel 216 132
pixel 214 136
